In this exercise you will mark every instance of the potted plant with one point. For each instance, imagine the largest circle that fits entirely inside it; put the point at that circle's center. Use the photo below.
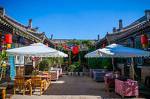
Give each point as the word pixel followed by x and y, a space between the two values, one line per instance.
pixel 81 71
pixel 35 72
pixel 78 68
pixel 44 65
pixel 71 69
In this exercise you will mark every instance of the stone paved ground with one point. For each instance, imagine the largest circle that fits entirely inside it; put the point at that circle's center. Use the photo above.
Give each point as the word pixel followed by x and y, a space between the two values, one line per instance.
pixel 73 87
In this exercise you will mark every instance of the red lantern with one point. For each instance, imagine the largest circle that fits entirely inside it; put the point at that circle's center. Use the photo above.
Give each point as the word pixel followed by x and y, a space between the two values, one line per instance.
pixel 8 38
pixel 75 50
pixel 144 39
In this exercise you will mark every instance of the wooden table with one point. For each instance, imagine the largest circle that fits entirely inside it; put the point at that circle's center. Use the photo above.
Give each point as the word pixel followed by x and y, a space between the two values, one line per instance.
pixel 42 76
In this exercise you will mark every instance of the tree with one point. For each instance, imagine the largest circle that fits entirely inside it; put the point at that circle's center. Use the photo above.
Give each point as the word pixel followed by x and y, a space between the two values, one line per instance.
pixel 3 57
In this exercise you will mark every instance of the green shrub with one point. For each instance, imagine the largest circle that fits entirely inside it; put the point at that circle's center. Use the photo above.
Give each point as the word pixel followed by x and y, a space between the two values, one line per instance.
pixel 106 63
pixel 75 67
pixel 71 68
pixel 99 63
pixel 44 65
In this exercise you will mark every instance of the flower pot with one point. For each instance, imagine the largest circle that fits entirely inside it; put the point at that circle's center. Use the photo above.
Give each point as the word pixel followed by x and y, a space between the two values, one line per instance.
pixel 76 73
pixel 81 73
pixel 69 73
pixel 72 73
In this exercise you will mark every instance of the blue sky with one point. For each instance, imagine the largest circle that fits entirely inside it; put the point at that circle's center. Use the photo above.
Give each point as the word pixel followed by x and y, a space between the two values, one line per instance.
pixel 79 19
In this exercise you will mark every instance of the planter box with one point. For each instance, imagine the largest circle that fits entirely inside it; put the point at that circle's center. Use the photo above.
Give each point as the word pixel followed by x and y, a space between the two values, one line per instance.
pixel 81 73
pixel 98 76
pixel 126 88
pixel 76 73
pixel 98 70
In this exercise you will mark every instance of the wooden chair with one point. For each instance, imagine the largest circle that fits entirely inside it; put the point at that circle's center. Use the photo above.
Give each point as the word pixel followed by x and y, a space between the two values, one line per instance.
pixel 37 82
pixel 21 84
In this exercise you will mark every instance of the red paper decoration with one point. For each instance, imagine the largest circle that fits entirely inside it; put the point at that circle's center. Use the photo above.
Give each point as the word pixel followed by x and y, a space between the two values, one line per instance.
pixel 144 39
pixel 8 38
pixel 75 50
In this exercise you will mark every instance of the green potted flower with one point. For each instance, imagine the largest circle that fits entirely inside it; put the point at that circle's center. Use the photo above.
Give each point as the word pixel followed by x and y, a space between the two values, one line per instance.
pixel 71 69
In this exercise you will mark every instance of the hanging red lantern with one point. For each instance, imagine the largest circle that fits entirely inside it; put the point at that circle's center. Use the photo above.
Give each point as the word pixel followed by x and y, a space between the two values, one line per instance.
pixel 75 50
pixel 144 39
pixel 8 38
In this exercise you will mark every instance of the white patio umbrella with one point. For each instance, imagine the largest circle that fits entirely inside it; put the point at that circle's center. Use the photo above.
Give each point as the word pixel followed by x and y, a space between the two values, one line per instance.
pixel 36 50
pixel 116 50
pixel 95 54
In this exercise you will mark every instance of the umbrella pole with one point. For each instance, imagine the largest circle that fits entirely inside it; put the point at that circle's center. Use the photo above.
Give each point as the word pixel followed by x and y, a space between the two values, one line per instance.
pixel 132 67
pixel 113 64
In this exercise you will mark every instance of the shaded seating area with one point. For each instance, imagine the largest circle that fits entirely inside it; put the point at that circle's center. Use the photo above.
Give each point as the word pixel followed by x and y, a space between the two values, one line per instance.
pixel 35 80
pixel 120 51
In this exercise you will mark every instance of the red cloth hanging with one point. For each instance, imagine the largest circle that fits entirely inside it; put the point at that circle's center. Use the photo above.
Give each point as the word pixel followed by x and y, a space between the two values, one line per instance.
pixel 144 39
pixel 75 50
pixel 8 38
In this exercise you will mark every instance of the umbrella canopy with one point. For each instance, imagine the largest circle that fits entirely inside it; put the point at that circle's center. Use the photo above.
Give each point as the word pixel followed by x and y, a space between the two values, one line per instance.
pixel 116 50
pixel 61 54
pixel 95 54
pixel 37 50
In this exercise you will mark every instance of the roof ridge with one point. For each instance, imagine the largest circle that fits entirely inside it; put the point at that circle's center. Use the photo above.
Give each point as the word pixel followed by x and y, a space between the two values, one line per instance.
pixel 15 21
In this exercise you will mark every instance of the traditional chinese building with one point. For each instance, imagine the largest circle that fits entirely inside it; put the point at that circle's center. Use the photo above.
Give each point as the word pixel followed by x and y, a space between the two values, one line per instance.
pixel 136 35
pixel 18 35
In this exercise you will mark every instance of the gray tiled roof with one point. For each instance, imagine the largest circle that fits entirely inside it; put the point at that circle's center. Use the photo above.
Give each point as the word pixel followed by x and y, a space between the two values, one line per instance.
pixel 128 30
